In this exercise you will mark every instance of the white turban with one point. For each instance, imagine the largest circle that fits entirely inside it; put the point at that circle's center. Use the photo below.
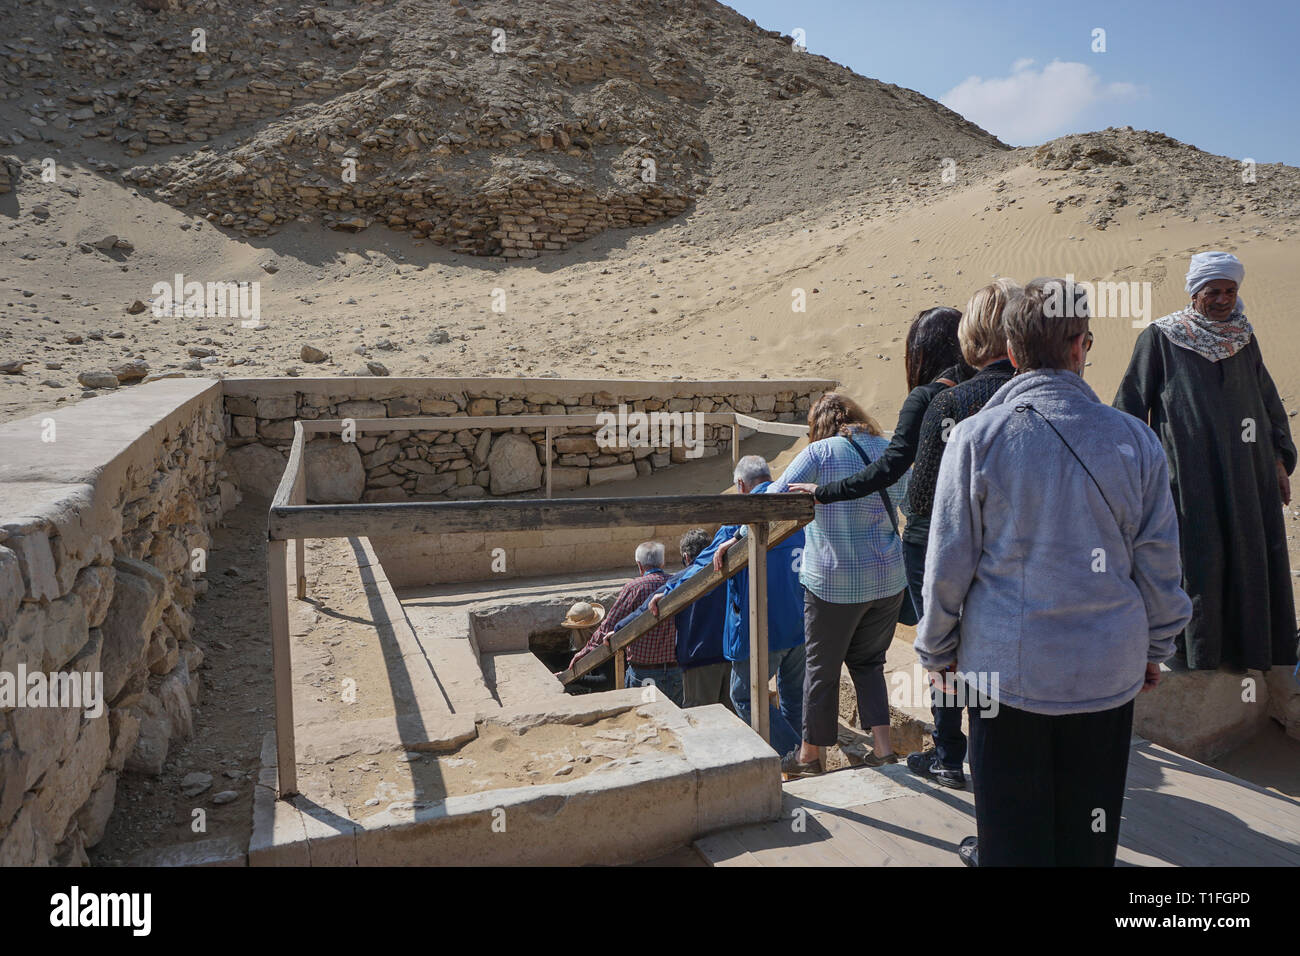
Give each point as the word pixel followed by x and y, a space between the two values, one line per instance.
pixel 1208 266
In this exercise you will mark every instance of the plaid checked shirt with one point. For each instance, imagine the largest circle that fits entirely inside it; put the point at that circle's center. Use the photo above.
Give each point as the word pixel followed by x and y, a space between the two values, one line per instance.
pixel 657 647
pixel 851 554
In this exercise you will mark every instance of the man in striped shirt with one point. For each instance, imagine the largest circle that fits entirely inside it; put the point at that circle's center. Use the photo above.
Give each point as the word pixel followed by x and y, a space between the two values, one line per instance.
pixel 652 657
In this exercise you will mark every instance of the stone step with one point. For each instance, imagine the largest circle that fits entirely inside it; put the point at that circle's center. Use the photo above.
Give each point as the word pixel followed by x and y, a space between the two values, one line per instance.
pixel 519 678
pixel 218 851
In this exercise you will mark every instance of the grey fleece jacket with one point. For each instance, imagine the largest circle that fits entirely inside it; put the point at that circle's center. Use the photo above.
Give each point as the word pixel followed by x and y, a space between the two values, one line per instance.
pixel 1059 595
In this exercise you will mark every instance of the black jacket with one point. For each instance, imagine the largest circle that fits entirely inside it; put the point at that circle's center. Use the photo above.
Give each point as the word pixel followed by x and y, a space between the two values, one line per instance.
pixel 898 457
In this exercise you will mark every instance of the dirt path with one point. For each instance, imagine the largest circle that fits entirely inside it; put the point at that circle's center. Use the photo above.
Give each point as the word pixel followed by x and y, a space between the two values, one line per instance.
pixel 235 710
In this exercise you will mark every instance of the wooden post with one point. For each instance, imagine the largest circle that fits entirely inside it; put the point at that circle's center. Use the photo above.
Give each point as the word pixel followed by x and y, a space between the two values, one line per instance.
pixel 758 698
pixel 735 444
pixel 548 461
pixel 620 669
pixel 300 545
pixel 281 665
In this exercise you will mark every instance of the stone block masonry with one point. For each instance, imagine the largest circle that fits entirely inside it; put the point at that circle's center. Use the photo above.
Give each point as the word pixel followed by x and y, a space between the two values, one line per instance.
pixel 454 464
pixel 102 506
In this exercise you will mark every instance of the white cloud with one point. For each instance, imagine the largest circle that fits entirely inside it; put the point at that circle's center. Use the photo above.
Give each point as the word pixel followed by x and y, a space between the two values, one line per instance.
pixel 1030 105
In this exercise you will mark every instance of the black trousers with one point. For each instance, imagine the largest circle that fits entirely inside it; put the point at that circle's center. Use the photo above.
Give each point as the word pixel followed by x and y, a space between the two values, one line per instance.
pixel 1049 790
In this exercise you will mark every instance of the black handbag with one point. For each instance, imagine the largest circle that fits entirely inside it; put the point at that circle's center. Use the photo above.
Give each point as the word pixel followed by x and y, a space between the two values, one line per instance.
pixel 907 611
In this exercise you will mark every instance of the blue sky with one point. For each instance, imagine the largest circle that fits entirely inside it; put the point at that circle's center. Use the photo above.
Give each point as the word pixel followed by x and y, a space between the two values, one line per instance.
pixel 1222 76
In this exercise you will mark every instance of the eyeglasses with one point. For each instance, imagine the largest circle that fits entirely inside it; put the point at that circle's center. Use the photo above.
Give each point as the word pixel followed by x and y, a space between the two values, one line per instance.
pixel 1087 340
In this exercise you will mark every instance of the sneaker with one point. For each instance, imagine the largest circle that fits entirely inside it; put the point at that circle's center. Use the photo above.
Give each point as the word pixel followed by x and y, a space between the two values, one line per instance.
pixel 926 764
pixel 791 767
pixel 872 759
pixel 969 851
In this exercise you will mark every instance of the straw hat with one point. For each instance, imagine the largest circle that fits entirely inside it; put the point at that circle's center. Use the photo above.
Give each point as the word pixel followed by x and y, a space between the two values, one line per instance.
pixel 583 614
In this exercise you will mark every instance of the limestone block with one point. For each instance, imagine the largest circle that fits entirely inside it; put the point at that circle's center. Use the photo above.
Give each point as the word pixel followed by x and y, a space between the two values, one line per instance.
pixel 482 406
pixel 44 734
pixel 124 732
pixel 70 785
pixel 1201 714
pixel 362 409
pixel 281 430
pixel 381 456
pixel 64 631
pixel 566 479
pixel 384 494
pixel 93 816
pixel 764 403
pixel 36 560
pixel 434 484
pixel 257 468
pixel 139 597
pixel 12 588
pixel 577 445
pixel 94 585
pixel 399 407
pixel 511 407
pixel 277 406
pixel 601 476
pixel 13 777
pixel 335 474
pixel 241 405
pixel 513 465
pixel 150 753
pixel 467 491
pixel 25 842
pixel 481 448
pixel 434 406
pixel 164 650
pixel 1284 699
pixel 173 693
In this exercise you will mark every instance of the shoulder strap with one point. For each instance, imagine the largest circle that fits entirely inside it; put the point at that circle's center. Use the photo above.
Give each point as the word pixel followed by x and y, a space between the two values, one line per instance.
pixel 884 498
pixel 947 381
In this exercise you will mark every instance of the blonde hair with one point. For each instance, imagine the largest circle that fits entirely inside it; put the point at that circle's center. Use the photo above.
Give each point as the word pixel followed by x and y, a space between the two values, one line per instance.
pixel 980 332
pixel 835 414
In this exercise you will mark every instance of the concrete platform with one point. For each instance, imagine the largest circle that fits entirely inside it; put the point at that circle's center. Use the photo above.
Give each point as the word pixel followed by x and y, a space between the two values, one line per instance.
pixel 1177 812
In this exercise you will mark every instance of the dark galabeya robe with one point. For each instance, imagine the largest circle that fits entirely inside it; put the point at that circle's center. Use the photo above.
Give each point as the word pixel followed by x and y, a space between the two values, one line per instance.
pixel 1235 564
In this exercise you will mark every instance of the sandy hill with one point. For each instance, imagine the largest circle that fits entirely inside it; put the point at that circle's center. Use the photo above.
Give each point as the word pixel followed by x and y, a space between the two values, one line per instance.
pixel 776 171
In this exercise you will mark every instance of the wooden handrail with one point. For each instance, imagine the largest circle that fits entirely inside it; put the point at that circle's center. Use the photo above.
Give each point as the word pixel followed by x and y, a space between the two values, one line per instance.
pixel 696 587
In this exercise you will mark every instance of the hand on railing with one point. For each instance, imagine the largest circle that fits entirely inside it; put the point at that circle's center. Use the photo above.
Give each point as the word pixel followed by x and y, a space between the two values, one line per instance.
pixel 804 487
pixel 654 604
pixel 721 553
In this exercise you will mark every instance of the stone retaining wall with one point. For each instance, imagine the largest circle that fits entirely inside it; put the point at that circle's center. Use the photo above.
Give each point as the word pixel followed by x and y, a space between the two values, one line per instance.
pixel 409 465
pixel 102 506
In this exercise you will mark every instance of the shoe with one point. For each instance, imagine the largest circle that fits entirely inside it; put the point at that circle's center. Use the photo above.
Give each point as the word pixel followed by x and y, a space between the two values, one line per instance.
pixel 924 763
pixel 872 759
pixel 791 767
pixel 969 851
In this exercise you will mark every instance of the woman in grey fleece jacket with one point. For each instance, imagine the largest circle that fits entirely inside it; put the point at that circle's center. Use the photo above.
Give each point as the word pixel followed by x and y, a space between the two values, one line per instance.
pixel 1053 581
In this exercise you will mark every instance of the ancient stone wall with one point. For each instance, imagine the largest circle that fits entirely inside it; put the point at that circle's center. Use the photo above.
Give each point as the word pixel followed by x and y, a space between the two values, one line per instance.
pixel 106 511
pixel 466 463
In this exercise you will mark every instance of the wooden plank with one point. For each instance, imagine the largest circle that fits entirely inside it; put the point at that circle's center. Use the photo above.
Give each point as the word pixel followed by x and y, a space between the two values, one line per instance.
pixel 772 428
pixel 759 718
pixel 447 423
pixel 690 592
pixel 735 445
pixel 926 827
pixel 282 665
pixel 723 849
pixel 861 833
pixel 440 517
pixel 1169 772
pixel 1213 837
pixel 548 461
pixel 777 844
pixel 620 669
pixel 284 490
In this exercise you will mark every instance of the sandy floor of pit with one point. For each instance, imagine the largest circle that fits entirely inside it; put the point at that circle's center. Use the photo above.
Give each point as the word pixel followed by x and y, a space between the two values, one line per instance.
pixel 500 757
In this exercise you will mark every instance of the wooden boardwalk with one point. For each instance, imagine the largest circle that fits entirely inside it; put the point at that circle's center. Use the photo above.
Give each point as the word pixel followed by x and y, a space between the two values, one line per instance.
pixel 1177 812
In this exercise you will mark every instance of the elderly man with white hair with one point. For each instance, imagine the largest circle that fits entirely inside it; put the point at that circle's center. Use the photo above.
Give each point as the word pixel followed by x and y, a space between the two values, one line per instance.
pixel 652 657
pixel 1197 377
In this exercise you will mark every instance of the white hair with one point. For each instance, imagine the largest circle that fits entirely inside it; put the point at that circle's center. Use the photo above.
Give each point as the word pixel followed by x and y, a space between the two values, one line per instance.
pixel 751 469
pixel 650 554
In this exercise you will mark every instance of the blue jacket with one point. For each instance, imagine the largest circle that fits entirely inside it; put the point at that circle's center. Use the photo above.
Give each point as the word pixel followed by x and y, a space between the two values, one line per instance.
pixel 699 626
pixel 784 596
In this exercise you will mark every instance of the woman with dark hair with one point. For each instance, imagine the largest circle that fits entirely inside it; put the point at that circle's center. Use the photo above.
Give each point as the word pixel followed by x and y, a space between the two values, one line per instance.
pixel 933 361
pixel 852 573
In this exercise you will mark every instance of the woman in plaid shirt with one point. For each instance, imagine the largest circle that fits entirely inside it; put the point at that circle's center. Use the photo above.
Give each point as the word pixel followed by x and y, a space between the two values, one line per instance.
pixel 853 578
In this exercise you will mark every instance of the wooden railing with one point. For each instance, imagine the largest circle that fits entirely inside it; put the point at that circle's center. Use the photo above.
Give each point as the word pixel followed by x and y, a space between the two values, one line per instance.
pixel 771 519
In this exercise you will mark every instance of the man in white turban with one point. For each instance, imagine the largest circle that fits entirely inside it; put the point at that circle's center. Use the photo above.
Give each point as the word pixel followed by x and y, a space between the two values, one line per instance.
pixel 1197 376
